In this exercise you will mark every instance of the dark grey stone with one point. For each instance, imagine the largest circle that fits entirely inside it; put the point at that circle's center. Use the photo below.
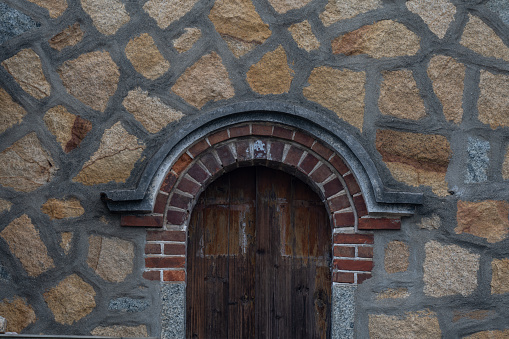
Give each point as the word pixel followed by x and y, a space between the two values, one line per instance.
pixel 13 23
pixel 343 311
pixel 126 304
pixel 4 274
pixel 478 160
pixel 501 7
pixel 173 310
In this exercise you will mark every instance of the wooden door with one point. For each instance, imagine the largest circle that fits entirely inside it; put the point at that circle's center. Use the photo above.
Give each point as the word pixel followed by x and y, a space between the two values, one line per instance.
pixel 258 259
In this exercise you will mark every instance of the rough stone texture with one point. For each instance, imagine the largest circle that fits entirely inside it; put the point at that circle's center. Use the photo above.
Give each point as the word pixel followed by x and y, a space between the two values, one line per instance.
pixel 283 6
pixel 343 311
pixel 341 91
pixel 11 113
pixel 432 223
pixel 151 112
pixel 239 25
pixel 114 160
pixel 54 7
pixel 478 160
pixel 71 300
pixel 499 276
pixel 504 334
pixel 110 258
pixel 26 244
pixel 62 209
pixel 336 10
pixel 271 75
pixel 393 293
pixel 472 315
pixel 421 324
pixel 68 37
pixel 66 241
pixel 187 40
pixel 128 305
pixel 5 205
pixel 399 96
pixel 145 57
pixel 449 270
pixel 500 7
pixel 121 331
pixel 206 80
pixel 173 298
pixel 164 12
pixel 396 257
pixel 448 77
pixel 14 22
pixel 493 103
pixel 437 14
pixel 505 165
pixel 304 36
pixel 486 219
pixel 383 39
pixel 17 313
pixel 26 165
pixel 2 325
pixel 107 15
pixel 26 69
pixel 92 78
pixel 480 38
pixel 416 159
pixel 68 128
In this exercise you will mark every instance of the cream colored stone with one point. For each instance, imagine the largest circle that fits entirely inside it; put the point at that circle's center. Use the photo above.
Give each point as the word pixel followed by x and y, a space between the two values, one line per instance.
pixel 480 38
pixel 341 91
pixel 500 276
pixel 393 293
pixel 396 257
pixel 110 258
pixel 17 313
pixel 121 331
pixel 283 6
pixel 448 77
pixel 11 113
pixel 449 270
pixel 26 166
pixel 66 241
pixel 432 223
pixel 71 300
pixel 91 77
pixel 145 57
pixel 68 37
pixel 336 10
pixel 304 36
pixel 114 160
pixel 66 127
pixel 421 324
pixel 486 219
pixel 5 205
pixel 62 209
pixel 504 334
pixel 151 112
pixel 207 80
pixel 107 15
pixel 437 14
pixel 399 96
pixel 493 102
pixel 54 7
pixel 26 244
pixel 187 40
pixel 383 39
pixel 164 12
pixel 26 69
pixel 271 75
pixel 505 165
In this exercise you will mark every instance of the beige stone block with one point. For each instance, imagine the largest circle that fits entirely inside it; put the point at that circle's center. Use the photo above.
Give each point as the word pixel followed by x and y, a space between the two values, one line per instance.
pixel 92 78
pixel 437 14
pixel 164 12
pixel 337 10
pixel 114 160
pixel 110 258
pixel 493 102
pixel 207 80
pixel 107 15
pixel 187 40
pixel 432 223
pixel 448 78
pixel 26 68
pixel 393 293
pixel 5 205
pixel 421 324
pixel 121 331
pixel 271 75
pixel 66 241
pixel 505 165
pixel 54 7
pixel 396 257
pixel 26 244
pixel 145 57
pixel 63 208
pixel 10 112
pixel 504 334
pixel 449 270
pixel 26 166
pixel 68 128
pixel 500 276
pixel 480 38
pixel 486 219
pixel 67 38
pixel 472 315
pixel 341 91
pixel 416 177
pixel 399 96
pixel 304 36
pixel 71 300
pixel 18 314
pixel 383 39
pixel 283 6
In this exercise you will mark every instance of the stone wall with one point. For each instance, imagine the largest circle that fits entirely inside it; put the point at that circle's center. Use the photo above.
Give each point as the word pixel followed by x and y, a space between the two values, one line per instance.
pixel 90 90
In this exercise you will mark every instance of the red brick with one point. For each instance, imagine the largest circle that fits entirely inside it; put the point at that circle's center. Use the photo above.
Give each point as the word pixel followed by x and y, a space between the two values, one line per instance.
pixel 168 182
pixel 338 203
pixel 343 277
pixel 344 251
pixel 276 151
pixel 344 219
pixel 210 162
pixel 361 277
pixel 308 163
pixel 176 217
pixel 199 147
pixel 347 238
pixel 243 151
pixel 174 275
pixel 225 155
pixel 303 139
pixel 351 183
pixel 152 249
pixel 353 265
pixel 333 187
pixel 365 252
pixel 293 156
pixel 265 130
pixel 188 186
pixel 321 173
pixel 379 224
pixel 152 275
pixel 180 201
pixel 165 262
pixel 198 173
pixel 322 150
pixel 160 203
pixel 181 164
pixel 143 220
pixel 175 249
pixel 360 206
pixel 239 131
pixel 166 236
pixel 339 164
pixel 218 137
pixel 282 132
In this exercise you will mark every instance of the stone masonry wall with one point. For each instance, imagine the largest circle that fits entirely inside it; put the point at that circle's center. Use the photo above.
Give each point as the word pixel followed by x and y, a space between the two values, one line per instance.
pixel 91 89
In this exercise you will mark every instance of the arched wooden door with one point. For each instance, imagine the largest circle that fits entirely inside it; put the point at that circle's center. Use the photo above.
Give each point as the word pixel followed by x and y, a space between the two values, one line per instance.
pixel 258 259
